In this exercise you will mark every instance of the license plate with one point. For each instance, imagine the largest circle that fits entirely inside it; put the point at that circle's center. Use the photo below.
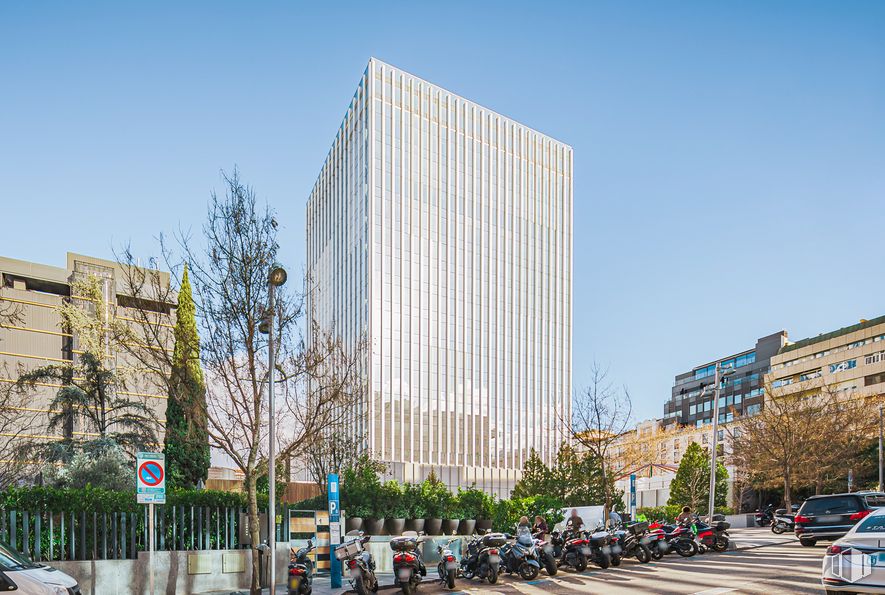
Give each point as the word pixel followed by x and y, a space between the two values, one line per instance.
pixel 832 518
pixel 294 583
pixel 494 560
pixel 355 573
pixel 451 565
pixel 404 574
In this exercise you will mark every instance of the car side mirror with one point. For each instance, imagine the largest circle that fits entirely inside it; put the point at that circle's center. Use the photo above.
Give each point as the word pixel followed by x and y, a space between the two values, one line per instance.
pixel 6 583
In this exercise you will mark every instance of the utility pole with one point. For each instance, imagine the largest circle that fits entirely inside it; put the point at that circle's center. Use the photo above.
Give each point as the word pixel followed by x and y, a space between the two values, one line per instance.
pixel 713 442
pixel 881 485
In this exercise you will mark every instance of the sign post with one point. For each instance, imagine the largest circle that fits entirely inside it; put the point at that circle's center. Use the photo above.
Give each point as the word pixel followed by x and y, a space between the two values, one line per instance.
pixel 632 496
pixel 334 528
pixel 150 489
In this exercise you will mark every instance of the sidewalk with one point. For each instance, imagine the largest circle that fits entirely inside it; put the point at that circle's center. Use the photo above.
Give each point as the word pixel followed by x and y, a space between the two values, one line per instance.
pixel 756 537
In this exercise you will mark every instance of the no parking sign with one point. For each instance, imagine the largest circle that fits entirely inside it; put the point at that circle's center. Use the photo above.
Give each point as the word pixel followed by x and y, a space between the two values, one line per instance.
pixel 150 478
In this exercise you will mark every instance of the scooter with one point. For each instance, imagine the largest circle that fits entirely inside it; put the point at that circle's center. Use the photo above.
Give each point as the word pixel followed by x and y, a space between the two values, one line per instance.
pixel 765 516
pixel 600 547
pixel 301 570
pixel 448 565
pixel 483 557
pixel 545 555
pixel 783 521
pixel 521 556
pixel 680 539
pixel 408 567
pixel 359 562
pixel 570 549
pixel 633 541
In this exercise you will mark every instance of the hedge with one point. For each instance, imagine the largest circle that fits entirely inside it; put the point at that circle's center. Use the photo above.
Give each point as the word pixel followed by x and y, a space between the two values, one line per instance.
pixel 91 499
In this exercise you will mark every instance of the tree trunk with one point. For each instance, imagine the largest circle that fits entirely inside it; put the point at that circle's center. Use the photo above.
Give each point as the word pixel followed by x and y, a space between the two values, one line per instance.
pixel 787 486
pixel 254 532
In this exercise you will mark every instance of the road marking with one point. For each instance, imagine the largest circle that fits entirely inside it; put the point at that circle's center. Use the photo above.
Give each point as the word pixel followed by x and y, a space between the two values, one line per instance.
pixel 717 591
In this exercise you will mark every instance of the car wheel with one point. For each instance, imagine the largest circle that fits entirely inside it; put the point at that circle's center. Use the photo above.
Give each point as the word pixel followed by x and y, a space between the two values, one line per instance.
pixel 808 542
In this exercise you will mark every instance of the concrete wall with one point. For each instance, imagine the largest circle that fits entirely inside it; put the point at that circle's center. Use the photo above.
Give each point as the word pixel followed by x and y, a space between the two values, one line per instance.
pixel 174 572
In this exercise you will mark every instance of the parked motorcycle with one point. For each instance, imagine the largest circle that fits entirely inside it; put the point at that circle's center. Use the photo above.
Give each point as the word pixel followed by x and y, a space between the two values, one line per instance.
pixel 712 536
pixel 482 559
pixel 448 565
pixel 521 556
pixel 633 541
pixel 599 543
pixel 680 539
pixel 783 521
pixel 358 561
pixel 570 549
pixel 765 516
pixel 545 554
pixel 301 570
pixel 657 540
pixel 408 567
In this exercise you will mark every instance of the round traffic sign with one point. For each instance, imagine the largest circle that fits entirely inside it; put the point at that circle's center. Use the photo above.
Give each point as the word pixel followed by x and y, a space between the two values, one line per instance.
pixel 150 473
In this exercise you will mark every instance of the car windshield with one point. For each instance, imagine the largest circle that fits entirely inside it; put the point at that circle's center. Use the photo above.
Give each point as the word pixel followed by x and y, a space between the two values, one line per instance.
pixel 834 505
pixel 875 523
pixel 12 559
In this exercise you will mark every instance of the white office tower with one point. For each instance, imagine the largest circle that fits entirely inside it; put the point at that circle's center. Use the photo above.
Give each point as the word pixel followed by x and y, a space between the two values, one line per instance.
pixel 440 233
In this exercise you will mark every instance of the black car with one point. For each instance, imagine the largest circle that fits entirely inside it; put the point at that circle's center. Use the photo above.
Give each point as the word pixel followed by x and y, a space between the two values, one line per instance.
pixel 831 516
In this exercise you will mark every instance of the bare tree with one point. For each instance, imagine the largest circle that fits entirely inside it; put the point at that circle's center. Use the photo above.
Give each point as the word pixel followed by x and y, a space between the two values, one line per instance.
pixel 600 414
pixel 330 452
pixel 315 384
pixel 785 443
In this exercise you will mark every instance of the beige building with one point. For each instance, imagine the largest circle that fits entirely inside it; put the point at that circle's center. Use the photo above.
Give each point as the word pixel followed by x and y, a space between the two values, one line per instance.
pixel 850 360
pixel 32 335
pixel 652 451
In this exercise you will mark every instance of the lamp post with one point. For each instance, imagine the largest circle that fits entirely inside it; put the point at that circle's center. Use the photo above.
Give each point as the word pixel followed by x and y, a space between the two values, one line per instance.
pixel 717 381
pixel 881 486
pixel 275 278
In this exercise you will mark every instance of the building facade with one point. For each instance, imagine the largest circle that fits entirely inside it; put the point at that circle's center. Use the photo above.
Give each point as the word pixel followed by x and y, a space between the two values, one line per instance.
pixel 742 393
pixel 32 335
pixel 849 360
pixel 439 236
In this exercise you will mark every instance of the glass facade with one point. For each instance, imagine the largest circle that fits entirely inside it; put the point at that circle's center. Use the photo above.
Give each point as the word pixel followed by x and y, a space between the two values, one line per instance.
pixel 441 232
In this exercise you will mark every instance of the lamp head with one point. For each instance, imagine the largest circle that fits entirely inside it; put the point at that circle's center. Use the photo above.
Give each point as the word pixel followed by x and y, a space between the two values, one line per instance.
pixel 277 275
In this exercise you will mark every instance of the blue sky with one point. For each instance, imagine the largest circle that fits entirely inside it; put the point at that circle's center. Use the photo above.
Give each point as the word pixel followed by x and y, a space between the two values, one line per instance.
pixel 729 158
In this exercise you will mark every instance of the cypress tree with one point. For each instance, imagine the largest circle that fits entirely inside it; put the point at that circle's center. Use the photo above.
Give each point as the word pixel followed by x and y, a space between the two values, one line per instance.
pixel 187 435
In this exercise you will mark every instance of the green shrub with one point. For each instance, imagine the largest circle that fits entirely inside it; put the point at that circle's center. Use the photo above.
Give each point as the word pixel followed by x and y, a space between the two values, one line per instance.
pixel 474 503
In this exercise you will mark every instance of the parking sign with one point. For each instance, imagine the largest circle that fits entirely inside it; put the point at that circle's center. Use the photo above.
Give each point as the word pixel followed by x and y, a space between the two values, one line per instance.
pixel 150 478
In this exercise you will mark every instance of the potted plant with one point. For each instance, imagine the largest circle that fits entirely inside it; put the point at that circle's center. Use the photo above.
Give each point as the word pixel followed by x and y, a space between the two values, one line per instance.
pixel 434 495
pixel 452 514
pixel 472 503
pixel 417 511
pixel 353 521
pixel 486 514
pixel 393 507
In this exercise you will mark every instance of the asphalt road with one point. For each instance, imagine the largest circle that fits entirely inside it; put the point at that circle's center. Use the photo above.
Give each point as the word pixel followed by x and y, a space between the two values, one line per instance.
pixel 780 566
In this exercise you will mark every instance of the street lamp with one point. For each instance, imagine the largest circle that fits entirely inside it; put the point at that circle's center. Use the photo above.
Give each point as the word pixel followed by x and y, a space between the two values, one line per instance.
pixel 275 278
pixel 721 374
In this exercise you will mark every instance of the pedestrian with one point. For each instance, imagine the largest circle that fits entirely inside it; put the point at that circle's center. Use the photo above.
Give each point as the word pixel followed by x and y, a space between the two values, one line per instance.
pixel 685 516
pixel 540 527
pixel 574 522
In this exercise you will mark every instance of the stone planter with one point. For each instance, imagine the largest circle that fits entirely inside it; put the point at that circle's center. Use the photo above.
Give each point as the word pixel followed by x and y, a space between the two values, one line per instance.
pixel 395 526
pixel 450 526
pixel 483 525
pixel 433 526
pixel 373 526
pixel 466 527
pixel 416 525
pixel 353 523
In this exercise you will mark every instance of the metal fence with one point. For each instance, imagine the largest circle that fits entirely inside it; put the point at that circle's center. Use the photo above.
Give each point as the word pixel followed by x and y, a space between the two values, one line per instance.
pixel 48 536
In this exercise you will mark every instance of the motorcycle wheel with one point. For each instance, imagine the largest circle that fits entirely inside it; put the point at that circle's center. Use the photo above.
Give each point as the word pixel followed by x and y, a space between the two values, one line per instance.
pixel 686 548
pixel 450 578
pixel 493 574
pixel 408 588
pixel 702 549
pixel 527 572
pixel 721 544
pixel 657 552
pixel 360 586
pixel 777 528
pixel 643 554
pixel 604 561
pixel 616 560
pixel 550 565
pixel 581 563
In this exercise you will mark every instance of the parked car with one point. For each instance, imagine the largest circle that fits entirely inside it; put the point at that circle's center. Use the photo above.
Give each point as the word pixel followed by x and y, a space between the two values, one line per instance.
pixel 856 562
pixel 30 578
pixel 832 516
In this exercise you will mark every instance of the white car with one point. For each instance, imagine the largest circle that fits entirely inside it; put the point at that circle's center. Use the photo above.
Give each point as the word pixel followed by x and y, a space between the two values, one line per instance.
pixel 855 563
pixel 20 575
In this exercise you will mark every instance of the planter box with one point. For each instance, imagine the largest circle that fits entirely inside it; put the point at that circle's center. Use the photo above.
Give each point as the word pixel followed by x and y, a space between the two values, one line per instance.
pixel 466 527
pixel 450 526
pixel 373 526
pixel 395 526
pixel 433 526
pixel 353 523
pixel 416 525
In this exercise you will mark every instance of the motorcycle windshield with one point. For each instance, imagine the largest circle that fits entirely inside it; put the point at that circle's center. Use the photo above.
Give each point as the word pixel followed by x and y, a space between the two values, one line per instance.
pixel 524 537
